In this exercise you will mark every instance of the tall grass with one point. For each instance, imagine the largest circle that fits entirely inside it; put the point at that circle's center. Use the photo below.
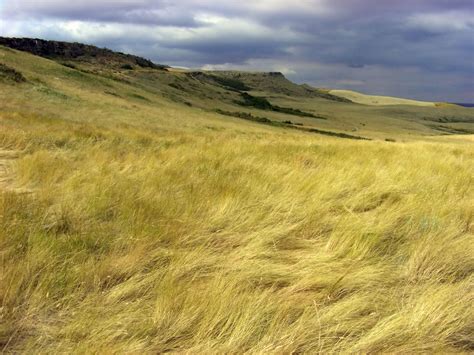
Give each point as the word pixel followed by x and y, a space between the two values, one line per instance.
pixel 242 239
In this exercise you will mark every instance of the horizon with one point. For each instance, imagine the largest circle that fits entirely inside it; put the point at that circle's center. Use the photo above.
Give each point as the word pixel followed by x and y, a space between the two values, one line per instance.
pixel 422 51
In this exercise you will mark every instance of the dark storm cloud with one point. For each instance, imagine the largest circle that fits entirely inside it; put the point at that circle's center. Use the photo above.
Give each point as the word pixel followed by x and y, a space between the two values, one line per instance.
pixel 348 39
pixel 395 44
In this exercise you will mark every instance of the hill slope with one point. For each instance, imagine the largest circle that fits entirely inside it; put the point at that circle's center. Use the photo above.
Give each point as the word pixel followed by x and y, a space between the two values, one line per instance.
pixel 378 100
pixel 79 52
pixel 136 218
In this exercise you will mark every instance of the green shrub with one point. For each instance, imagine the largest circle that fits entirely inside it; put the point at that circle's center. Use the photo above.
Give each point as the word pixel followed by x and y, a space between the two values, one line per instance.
pixel 257 102
pixel 263 104
pixel 11 74
pixel 231 83
pixel 69 65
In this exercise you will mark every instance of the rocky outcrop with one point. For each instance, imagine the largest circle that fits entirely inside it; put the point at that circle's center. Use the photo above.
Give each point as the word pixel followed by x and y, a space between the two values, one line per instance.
pixel 76 52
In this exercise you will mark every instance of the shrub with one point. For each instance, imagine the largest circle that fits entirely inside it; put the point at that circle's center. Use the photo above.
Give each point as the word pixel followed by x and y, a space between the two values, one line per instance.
pixel 257 102
pixel 231 83
pixel 69 65
pixel 11 74
pixel 263 104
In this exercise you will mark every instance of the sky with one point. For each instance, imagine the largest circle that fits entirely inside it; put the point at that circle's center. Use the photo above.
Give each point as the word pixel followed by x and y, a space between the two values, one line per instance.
pixel 421 49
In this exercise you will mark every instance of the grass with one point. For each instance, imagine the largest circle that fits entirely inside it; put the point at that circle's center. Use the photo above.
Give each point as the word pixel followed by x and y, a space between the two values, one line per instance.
pixel 336 134
pixel 231 84
pixel 10 74
pixel 263 104
pixel 157 227
pixel 287 124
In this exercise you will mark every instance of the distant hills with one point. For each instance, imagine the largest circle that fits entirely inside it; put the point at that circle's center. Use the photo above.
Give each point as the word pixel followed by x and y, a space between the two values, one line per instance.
pixel 375 100
pixel 67 73
pixel 72 53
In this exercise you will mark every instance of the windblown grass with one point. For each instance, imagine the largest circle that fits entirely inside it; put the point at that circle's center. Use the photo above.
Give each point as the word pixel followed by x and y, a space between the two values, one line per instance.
pixel 246 239
pixel 154 226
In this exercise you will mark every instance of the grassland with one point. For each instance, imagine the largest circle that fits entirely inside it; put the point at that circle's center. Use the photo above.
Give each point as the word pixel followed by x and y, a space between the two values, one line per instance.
pixel 136 223
pixel 378 100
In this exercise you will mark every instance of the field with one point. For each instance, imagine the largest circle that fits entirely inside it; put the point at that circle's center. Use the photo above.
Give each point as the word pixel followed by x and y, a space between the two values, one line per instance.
pixel 378 100
pixel 136 220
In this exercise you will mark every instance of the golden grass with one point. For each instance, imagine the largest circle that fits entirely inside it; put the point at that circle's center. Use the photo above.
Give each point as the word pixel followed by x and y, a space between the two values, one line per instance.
pixel 152 226
pixel 375 100
pixel 232 238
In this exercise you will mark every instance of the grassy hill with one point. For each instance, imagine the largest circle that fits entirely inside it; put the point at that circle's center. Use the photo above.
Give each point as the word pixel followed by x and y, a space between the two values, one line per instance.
pixel 375 100
pixel 69 53
pixel 152 210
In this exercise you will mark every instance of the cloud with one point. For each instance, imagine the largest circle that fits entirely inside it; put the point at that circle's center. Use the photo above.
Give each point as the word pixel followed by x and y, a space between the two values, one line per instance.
pixel 408 42
pixel 161 12
pixel 442 22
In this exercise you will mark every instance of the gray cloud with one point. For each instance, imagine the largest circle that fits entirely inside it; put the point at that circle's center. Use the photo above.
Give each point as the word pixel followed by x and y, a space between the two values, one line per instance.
pixel 424 47
pixel 127 11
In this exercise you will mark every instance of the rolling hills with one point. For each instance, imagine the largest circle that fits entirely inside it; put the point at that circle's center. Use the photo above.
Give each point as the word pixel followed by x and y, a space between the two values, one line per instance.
pixel 145 209
pixel 231 91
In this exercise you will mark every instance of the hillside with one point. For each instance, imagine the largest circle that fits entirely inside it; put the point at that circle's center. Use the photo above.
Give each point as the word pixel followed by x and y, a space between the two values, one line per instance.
pixel 287 104
pixel 77 52
pixel 149 210
pixel 377 100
